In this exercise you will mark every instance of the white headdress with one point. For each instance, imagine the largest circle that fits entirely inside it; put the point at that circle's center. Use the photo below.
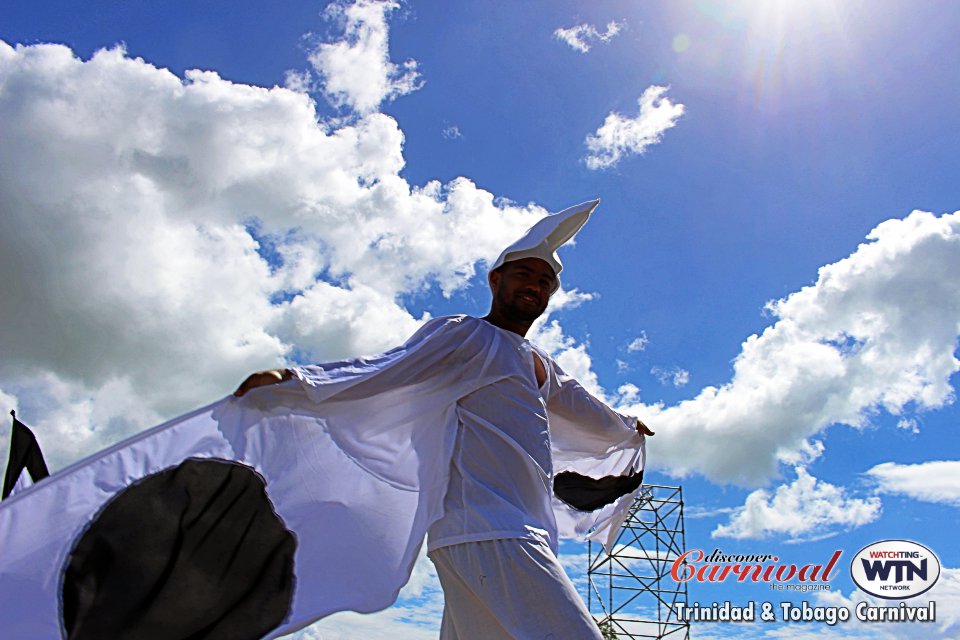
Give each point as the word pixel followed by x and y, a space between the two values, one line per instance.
pixel 547 235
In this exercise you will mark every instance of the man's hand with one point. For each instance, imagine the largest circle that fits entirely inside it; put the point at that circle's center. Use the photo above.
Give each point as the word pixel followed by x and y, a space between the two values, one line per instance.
pixel 261 378
pixel 643 429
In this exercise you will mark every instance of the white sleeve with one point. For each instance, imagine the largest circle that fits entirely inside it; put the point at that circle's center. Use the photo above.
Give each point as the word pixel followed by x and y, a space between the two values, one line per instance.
pixel 591 439
pixel 588 436
pixel 443 352
pixel 574 402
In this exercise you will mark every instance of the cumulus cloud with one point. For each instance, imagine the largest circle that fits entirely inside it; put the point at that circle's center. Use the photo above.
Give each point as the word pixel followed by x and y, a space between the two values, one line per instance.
pixel 675 375
pixel 415 616
pixel 571 355
pixel 355 70
pixel 418 610
pixel 909 424
pixel 567 352
pixel 934 481
pixel 620 136
pixel 876 331
pixel 805 508
pixel 301 81
pixel 627 393
pixel 391 624
pixel 580 36
pixel 164 236
pixel 946 593
pixel 639 343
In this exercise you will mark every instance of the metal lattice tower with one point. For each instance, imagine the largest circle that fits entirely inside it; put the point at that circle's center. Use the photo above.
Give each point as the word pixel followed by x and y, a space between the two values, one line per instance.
pixel 631 591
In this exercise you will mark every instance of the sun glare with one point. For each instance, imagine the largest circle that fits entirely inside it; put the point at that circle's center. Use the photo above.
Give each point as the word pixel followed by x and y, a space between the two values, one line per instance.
pixel 778 18
pixel 786 47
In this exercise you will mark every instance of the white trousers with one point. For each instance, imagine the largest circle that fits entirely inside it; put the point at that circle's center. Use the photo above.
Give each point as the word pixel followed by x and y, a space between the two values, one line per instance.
pixel 509 589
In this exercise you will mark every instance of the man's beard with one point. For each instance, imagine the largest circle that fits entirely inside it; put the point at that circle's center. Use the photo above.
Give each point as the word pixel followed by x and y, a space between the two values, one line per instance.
pixel 515 313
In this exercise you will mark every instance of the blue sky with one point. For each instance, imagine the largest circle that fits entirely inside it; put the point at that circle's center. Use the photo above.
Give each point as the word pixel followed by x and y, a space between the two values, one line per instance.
pixel 165 232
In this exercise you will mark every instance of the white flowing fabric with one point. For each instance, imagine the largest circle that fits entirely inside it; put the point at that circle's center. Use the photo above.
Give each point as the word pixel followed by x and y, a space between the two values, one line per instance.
pixel 355 462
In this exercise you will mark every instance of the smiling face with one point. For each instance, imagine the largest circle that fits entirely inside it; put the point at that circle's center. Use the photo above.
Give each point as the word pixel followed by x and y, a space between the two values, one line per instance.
pixel 521 289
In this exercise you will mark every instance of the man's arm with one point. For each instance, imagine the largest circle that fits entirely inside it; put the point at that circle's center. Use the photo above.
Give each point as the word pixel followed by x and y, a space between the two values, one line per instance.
pixel 448 353
pixel 263 378
pixel 276 376
pixel 592 425
pixel 643 429
pixel 579 406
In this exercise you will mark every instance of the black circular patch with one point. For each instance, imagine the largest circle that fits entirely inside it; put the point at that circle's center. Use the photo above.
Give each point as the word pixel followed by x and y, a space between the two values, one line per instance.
pixel 196 551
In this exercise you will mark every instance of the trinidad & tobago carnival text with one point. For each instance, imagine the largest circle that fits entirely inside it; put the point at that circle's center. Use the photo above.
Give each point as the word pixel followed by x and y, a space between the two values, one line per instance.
pixel 756 568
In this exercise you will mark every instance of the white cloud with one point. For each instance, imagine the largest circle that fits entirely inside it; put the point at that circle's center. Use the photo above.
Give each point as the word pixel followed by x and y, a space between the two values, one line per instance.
pixel 415 616
pixel 676 376
pixel 355 71
pixel 627 393
pixel 696 512
pixel 639 343
pixel 567 299
pixel 805 508
pixel 946 593
pixel 620 135
pixel 451 133
pixel 571 356
pixel 419 609
pixel 299 81
pixel 934 481
pixel 390 624
pixel 877 330
pixel 772 631
pixel 580 36
pixel 162 237
pixel 909 424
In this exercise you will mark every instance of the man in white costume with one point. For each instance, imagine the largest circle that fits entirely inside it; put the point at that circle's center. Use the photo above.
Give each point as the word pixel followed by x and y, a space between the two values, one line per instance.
pixel 495 544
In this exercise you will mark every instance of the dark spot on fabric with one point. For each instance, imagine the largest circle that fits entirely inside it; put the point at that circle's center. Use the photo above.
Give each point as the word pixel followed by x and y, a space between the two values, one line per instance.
pixel 193 552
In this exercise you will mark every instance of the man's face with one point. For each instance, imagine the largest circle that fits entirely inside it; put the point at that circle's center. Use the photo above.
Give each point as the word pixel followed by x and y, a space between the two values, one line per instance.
pixel 522 288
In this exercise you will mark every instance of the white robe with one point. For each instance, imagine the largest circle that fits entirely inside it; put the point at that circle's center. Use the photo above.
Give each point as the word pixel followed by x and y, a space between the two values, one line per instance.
pixel 355 461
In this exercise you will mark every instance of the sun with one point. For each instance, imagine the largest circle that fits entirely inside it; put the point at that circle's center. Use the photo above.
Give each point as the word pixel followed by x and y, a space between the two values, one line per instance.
pixel 779 18
pixel 782 49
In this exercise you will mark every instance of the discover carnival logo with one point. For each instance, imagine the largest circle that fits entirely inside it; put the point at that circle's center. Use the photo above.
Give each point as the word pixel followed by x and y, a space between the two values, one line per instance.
pixel 718 566
pixel 895 569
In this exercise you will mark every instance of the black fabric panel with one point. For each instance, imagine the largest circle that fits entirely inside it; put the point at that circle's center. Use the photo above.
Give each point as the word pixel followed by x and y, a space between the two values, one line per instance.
pixel 24 454
pixel 588 494
pixel 192 552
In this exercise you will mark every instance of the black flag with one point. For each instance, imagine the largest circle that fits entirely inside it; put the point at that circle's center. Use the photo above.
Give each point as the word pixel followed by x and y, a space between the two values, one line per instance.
pixel 24 454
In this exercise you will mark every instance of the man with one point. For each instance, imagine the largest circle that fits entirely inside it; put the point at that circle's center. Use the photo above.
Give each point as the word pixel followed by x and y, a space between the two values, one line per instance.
pixel 494 546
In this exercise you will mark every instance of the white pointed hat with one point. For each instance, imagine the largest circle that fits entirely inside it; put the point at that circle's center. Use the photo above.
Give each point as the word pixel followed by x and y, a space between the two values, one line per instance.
pixel 549 233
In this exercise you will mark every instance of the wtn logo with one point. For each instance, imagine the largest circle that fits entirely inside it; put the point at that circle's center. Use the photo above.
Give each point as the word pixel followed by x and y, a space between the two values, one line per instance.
pixel 895 569
pixel 904 569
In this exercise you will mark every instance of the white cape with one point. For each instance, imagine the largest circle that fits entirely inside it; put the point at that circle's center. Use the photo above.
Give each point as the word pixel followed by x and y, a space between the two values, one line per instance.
pixel 355 465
